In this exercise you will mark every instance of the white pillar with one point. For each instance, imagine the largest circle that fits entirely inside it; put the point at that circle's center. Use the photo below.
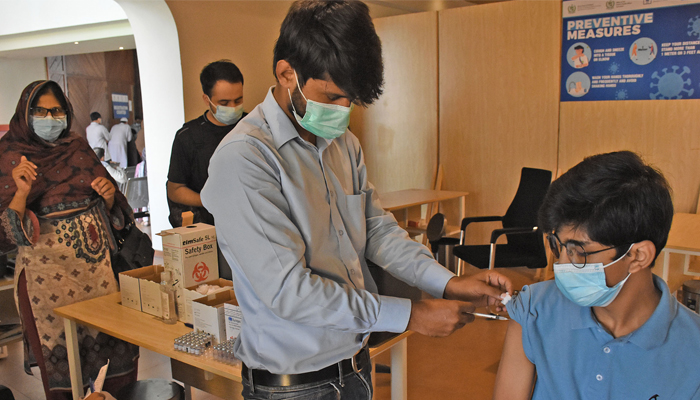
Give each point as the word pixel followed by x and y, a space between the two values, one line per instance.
pixel 160 71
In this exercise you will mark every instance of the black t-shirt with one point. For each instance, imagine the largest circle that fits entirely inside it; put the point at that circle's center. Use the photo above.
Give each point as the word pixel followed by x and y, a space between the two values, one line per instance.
pixel 193 146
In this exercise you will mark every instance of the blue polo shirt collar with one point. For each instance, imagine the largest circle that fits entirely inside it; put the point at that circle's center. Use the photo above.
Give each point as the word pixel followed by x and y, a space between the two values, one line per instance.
pixel 652 333
pixel 282 128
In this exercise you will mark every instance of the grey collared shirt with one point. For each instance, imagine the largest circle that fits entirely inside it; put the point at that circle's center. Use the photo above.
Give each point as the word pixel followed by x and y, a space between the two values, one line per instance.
pixel 296 222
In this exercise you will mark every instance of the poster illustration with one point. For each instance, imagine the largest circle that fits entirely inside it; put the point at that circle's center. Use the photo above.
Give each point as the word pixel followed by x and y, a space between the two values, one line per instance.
pixel 630 50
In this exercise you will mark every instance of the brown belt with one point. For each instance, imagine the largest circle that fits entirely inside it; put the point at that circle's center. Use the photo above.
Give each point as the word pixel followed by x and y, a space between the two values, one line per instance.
pixel 264 378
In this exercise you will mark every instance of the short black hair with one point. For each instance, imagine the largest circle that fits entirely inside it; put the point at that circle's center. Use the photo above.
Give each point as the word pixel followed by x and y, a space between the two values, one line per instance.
pixel 579 47
pixel 222 70
pixel 94 116
pixel 336 40
pixel 616 198
pixel 99 152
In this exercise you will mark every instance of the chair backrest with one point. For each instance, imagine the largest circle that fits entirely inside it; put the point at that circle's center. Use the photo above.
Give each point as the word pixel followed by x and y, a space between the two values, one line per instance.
pixel 130 172
pixel 137 192
pixel 523 210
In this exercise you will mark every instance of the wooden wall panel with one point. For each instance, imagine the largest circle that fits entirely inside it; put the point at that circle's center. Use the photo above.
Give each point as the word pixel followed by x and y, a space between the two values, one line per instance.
pixel 499 102
pixel 119 66
pixel 662 131
pixel 86 65
pixel 399 133
pixel 90 81
pixel 242 31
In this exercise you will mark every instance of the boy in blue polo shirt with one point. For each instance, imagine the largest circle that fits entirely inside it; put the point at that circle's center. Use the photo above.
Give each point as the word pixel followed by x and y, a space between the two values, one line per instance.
pixel 606 327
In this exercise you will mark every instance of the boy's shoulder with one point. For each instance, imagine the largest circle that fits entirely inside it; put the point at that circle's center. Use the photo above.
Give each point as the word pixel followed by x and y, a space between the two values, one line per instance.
pixel 540 302
pixel 688 321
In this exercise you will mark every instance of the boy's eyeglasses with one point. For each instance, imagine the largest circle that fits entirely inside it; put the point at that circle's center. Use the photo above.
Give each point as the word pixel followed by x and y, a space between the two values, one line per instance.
pixel 574 251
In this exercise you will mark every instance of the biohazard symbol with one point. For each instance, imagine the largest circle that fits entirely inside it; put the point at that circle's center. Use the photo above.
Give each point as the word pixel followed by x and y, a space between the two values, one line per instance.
pixel 694 26
pixel 614 68
pixel 670 85
pixel 621 94
pixel 200 272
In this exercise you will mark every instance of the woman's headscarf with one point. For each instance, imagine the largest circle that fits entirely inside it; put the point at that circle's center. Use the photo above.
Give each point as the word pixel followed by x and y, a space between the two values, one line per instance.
pixel 65 167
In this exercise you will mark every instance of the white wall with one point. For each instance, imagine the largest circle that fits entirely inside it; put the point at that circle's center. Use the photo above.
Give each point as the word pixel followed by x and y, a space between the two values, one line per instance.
pixel 15 75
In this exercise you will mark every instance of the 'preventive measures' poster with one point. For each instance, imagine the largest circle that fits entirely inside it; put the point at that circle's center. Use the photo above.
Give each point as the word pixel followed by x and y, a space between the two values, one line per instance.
pixel 630 50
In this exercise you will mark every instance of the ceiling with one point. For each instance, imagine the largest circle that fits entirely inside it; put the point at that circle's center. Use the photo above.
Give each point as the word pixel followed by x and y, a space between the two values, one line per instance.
pixel 117 35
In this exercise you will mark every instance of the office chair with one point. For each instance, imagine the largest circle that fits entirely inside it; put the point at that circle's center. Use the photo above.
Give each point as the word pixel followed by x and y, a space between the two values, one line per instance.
pixel 137 195
pixel 435 232
pixel 130 172
pixel 525 246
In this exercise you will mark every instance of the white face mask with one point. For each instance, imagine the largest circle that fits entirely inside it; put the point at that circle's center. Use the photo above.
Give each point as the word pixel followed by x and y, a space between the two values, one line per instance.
pixel 586 286
pixel 48 127
pixel 227 115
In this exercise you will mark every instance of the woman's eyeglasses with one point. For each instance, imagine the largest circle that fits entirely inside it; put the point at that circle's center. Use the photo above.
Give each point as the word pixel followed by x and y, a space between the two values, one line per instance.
pixel 574 251
pixel 56 112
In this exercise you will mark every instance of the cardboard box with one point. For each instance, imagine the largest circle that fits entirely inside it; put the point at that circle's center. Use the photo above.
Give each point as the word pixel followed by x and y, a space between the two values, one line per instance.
pixel 209 313
pixel 186 295
pixel 140 289
pixel 190 252
pixel 234 319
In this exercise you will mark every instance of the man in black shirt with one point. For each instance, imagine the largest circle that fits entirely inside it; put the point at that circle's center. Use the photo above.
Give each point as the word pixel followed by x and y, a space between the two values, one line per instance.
pixel 195 142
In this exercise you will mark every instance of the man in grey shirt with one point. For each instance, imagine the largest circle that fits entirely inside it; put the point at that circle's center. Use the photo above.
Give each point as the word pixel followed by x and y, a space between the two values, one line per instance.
pixel 297 219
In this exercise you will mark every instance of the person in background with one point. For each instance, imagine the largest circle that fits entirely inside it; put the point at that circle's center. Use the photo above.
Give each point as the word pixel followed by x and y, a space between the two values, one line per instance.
pixel 136 126
pixel 141 170
pixel 606 327
pixel 119 135
pixel 118 173
pixel 297 220
pixel 58 209
pixel 195 142
pixel 132 153
pixel 97 135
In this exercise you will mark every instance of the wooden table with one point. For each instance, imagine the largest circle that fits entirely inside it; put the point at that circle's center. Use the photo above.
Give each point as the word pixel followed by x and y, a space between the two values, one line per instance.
pixel 405 199
pixel 107 315
pixel 684 238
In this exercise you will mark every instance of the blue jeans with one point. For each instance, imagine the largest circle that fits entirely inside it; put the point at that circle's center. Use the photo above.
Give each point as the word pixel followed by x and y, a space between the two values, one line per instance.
pixel 354 386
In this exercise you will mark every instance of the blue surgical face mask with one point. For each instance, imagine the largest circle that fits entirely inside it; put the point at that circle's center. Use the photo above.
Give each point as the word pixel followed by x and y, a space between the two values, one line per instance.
pixel 586 286
pixel 227 115
pixel 48 127
pixel 328 121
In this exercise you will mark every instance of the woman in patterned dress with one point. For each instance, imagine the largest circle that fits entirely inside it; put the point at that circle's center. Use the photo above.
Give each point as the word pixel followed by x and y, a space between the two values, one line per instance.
pixel 58 207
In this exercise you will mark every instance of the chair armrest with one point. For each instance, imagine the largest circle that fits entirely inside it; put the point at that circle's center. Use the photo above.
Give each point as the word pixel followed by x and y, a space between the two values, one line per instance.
pixel 469 220
pixel 496 233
